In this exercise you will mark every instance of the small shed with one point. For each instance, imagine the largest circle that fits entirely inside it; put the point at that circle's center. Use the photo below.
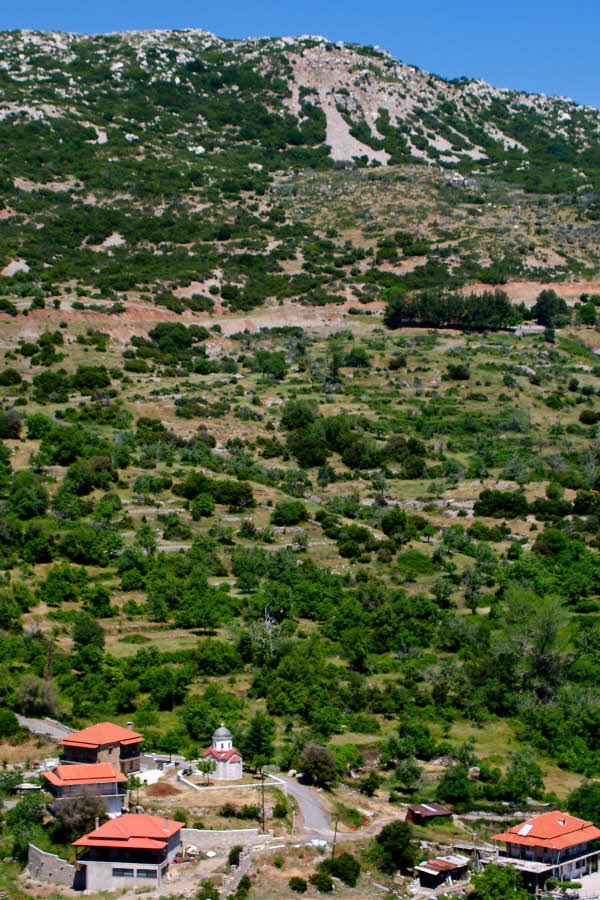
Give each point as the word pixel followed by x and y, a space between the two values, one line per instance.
pixel 422 813
pixel 442 869
pixel 27 787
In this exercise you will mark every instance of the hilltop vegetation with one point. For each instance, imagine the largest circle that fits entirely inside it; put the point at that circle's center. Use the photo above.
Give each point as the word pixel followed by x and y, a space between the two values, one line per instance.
pixel 182 166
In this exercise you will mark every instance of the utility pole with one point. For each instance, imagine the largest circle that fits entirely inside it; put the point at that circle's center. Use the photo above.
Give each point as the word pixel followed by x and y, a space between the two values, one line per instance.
pixel 259 763
pixel 262 778
pixel 334 837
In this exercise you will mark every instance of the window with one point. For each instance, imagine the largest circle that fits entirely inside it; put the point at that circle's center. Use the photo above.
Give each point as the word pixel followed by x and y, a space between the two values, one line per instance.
pixel 122 873
pixel 146 873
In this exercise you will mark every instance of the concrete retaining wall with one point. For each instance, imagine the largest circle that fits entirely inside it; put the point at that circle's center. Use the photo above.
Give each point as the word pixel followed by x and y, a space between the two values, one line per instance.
pixel 223 840
pixel 49 867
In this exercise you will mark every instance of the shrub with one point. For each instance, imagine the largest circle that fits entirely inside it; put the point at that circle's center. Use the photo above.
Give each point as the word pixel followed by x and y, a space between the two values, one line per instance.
pixel 280 809
pixel 589 417
pixel 233 857
pixel 394 847
pixel 8 377
pixel 77 816
pixel 357 358
pixel 289 512
pixel 38 425
pixel 398 361
pixel 137 366
pixel 10 424
pixel 27 495
pixel 9 724
pixel 345 867
pixel 318 764
pixel 298 885
pixel 457 372
pixel 370 784
pixel 322 882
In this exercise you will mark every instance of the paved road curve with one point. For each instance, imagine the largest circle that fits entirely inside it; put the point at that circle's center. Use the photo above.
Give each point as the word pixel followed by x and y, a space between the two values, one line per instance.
pixel 315 816
pixel 47 728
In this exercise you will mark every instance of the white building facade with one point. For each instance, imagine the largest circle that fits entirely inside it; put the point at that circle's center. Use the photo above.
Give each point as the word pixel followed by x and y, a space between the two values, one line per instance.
pixel 228 761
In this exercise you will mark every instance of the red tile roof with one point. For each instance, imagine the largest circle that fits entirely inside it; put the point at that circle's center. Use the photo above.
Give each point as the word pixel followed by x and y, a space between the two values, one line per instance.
pixel 138 832
pixel 100 735
pixel 232 755
pixel 92 773
pixel 555 830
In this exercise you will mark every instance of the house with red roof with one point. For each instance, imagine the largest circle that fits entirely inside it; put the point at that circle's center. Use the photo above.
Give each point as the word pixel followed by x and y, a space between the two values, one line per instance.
pixel 100 780
pixel 228 761
pixel 132 851
pixel 104 743
pixel 554 844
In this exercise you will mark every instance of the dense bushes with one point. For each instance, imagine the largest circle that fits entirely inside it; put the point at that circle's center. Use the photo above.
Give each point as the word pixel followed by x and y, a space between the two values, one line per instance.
pixel 236 494
pixel 501 504
pixel 436 308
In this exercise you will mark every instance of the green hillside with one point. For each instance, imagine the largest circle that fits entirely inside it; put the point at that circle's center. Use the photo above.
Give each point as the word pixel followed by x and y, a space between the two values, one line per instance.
pixel 299 410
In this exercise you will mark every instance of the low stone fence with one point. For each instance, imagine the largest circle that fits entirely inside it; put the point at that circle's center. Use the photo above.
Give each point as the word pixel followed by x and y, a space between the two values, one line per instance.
pixel 233 878
pixel 205 839
pixel 273 782
pixel 50 868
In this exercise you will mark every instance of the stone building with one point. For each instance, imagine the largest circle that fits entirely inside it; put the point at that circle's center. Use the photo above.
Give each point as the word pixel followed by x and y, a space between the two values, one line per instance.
pixel 104 743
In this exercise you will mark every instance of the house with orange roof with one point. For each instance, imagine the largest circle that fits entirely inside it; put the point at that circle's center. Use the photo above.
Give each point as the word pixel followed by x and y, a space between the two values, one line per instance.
pixel 100 780
pixel 104 743
pixel 554 844
pixel 228 761
pixel 130 852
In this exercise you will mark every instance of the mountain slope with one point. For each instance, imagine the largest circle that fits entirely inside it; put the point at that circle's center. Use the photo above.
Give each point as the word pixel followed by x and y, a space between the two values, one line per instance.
pixel 391 110
pixel 122 147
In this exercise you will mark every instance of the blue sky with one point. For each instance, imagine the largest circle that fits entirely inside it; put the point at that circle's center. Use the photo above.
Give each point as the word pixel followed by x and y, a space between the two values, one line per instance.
pixel 545 46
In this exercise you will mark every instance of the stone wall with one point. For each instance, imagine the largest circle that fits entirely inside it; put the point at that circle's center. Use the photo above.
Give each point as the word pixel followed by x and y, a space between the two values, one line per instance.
pixel 50 868
pixel 222 841
pixel 231 881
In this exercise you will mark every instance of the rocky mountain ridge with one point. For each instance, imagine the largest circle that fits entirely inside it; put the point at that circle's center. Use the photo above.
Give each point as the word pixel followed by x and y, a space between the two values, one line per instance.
pixel 277 168
pixel 375 107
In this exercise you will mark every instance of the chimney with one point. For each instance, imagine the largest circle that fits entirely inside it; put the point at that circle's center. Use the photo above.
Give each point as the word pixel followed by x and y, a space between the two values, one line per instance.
pixel 96 822
pixel 166 825
pixel 130 725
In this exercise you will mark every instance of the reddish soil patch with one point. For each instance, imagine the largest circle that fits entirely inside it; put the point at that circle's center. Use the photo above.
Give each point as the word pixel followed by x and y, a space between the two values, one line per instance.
pixel 527 291
pixel 160 789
